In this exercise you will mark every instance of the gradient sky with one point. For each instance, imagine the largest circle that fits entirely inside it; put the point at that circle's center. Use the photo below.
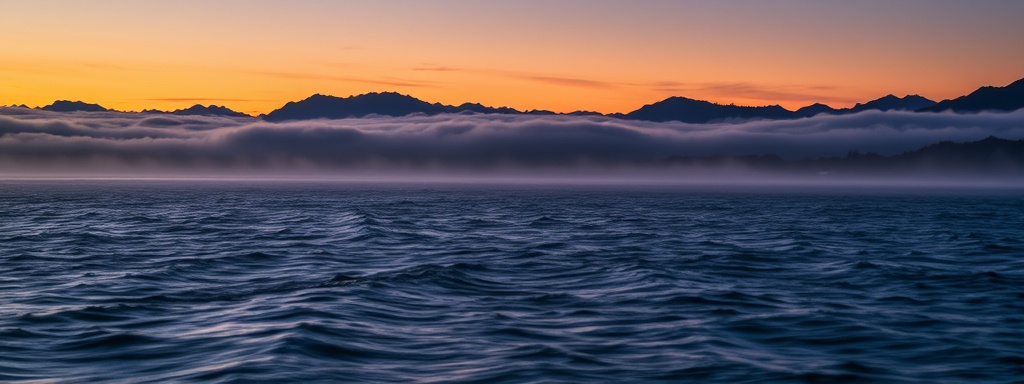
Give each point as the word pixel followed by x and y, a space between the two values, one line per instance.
pixel 609 56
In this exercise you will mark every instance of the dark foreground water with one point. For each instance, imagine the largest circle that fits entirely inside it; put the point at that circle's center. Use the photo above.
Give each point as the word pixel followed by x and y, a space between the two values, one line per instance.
pixel 241 282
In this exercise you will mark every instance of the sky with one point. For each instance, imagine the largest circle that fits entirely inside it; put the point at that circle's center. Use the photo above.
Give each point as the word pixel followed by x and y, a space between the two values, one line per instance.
pixel 560 55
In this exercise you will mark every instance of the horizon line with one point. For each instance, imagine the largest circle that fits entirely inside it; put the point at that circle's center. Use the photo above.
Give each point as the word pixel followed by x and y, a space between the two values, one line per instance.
pixel 224 105
pixel 144 110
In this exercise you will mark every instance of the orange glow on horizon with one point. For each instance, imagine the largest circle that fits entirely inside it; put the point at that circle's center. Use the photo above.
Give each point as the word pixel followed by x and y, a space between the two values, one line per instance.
pixel 562 57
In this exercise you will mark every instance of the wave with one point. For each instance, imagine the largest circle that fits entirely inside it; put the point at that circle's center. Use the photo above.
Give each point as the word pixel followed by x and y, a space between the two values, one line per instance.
pixel 232 283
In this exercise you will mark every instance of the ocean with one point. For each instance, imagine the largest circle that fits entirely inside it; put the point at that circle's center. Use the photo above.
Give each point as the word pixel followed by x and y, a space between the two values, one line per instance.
pixel 262 281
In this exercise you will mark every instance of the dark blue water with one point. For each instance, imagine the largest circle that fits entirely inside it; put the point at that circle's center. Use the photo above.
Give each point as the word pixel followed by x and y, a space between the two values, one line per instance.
pixel 242 282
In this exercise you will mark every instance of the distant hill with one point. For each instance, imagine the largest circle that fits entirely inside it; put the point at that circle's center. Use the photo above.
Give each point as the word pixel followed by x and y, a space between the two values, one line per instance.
pixel 480 108
pixel 383 104
pixel 1008 98
pixel 578 113
pixel 886 103
pixel 671 109
pixel 330 107
pixel 814 109
pixel 212 110
pixel 699 111
pixel 73 106
pixel 989 156
pixel 893 103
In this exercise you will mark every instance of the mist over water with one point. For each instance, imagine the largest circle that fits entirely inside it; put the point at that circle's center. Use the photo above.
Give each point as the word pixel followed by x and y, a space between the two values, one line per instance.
pixel 177 280
pixel 147 145
pixel 493 248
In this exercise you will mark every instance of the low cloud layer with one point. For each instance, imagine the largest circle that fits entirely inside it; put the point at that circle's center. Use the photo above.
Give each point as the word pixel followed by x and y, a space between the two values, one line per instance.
pixel 40 141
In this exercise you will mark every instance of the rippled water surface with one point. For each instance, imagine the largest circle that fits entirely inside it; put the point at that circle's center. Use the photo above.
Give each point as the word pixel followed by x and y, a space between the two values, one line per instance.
pixel 240 282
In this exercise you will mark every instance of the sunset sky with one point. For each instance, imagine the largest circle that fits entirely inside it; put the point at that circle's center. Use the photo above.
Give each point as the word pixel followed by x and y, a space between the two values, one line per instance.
pixel 608 56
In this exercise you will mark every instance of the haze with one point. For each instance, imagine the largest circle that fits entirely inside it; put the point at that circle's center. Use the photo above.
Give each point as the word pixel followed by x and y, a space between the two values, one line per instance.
pixel 54 143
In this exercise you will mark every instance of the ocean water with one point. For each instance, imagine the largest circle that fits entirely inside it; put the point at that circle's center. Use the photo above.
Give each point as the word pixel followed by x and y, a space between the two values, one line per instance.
pixel 180 281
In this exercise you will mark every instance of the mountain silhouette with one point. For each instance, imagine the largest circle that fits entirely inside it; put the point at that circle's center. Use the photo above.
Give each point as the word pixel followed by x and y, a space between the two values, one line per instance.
pixel 579 113
pixel 699 111
pixel 886 103
pixel 480 108
pixel 383 104
pixel 991 153
pixel 1008 98
pixel 893 103
pixel 73 106
pixel 988 156
pixel 815 109
pixel 330 107
pixel 212 110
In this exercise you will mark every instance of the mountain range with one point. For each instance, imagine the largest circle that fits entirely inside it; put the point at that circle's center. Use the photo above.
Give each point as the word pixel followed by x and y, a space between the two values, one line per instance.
pixel 73 106
pixel 212 110
pixel 1008 98
pixel 671 109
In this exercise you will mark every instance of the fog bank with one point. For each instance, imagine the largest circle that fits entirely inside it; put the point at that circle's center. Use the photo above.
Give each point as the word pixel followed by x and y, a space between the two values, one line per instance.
pixel 33 141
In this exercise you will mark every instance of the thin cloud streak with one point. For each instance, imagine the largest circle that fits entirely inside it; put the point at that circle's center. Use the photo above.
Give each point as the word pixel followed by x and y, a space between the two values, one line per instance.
pixel 438 68
pixel 550 79
pixel 745 90
pixel 568 81
pixel 770 94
